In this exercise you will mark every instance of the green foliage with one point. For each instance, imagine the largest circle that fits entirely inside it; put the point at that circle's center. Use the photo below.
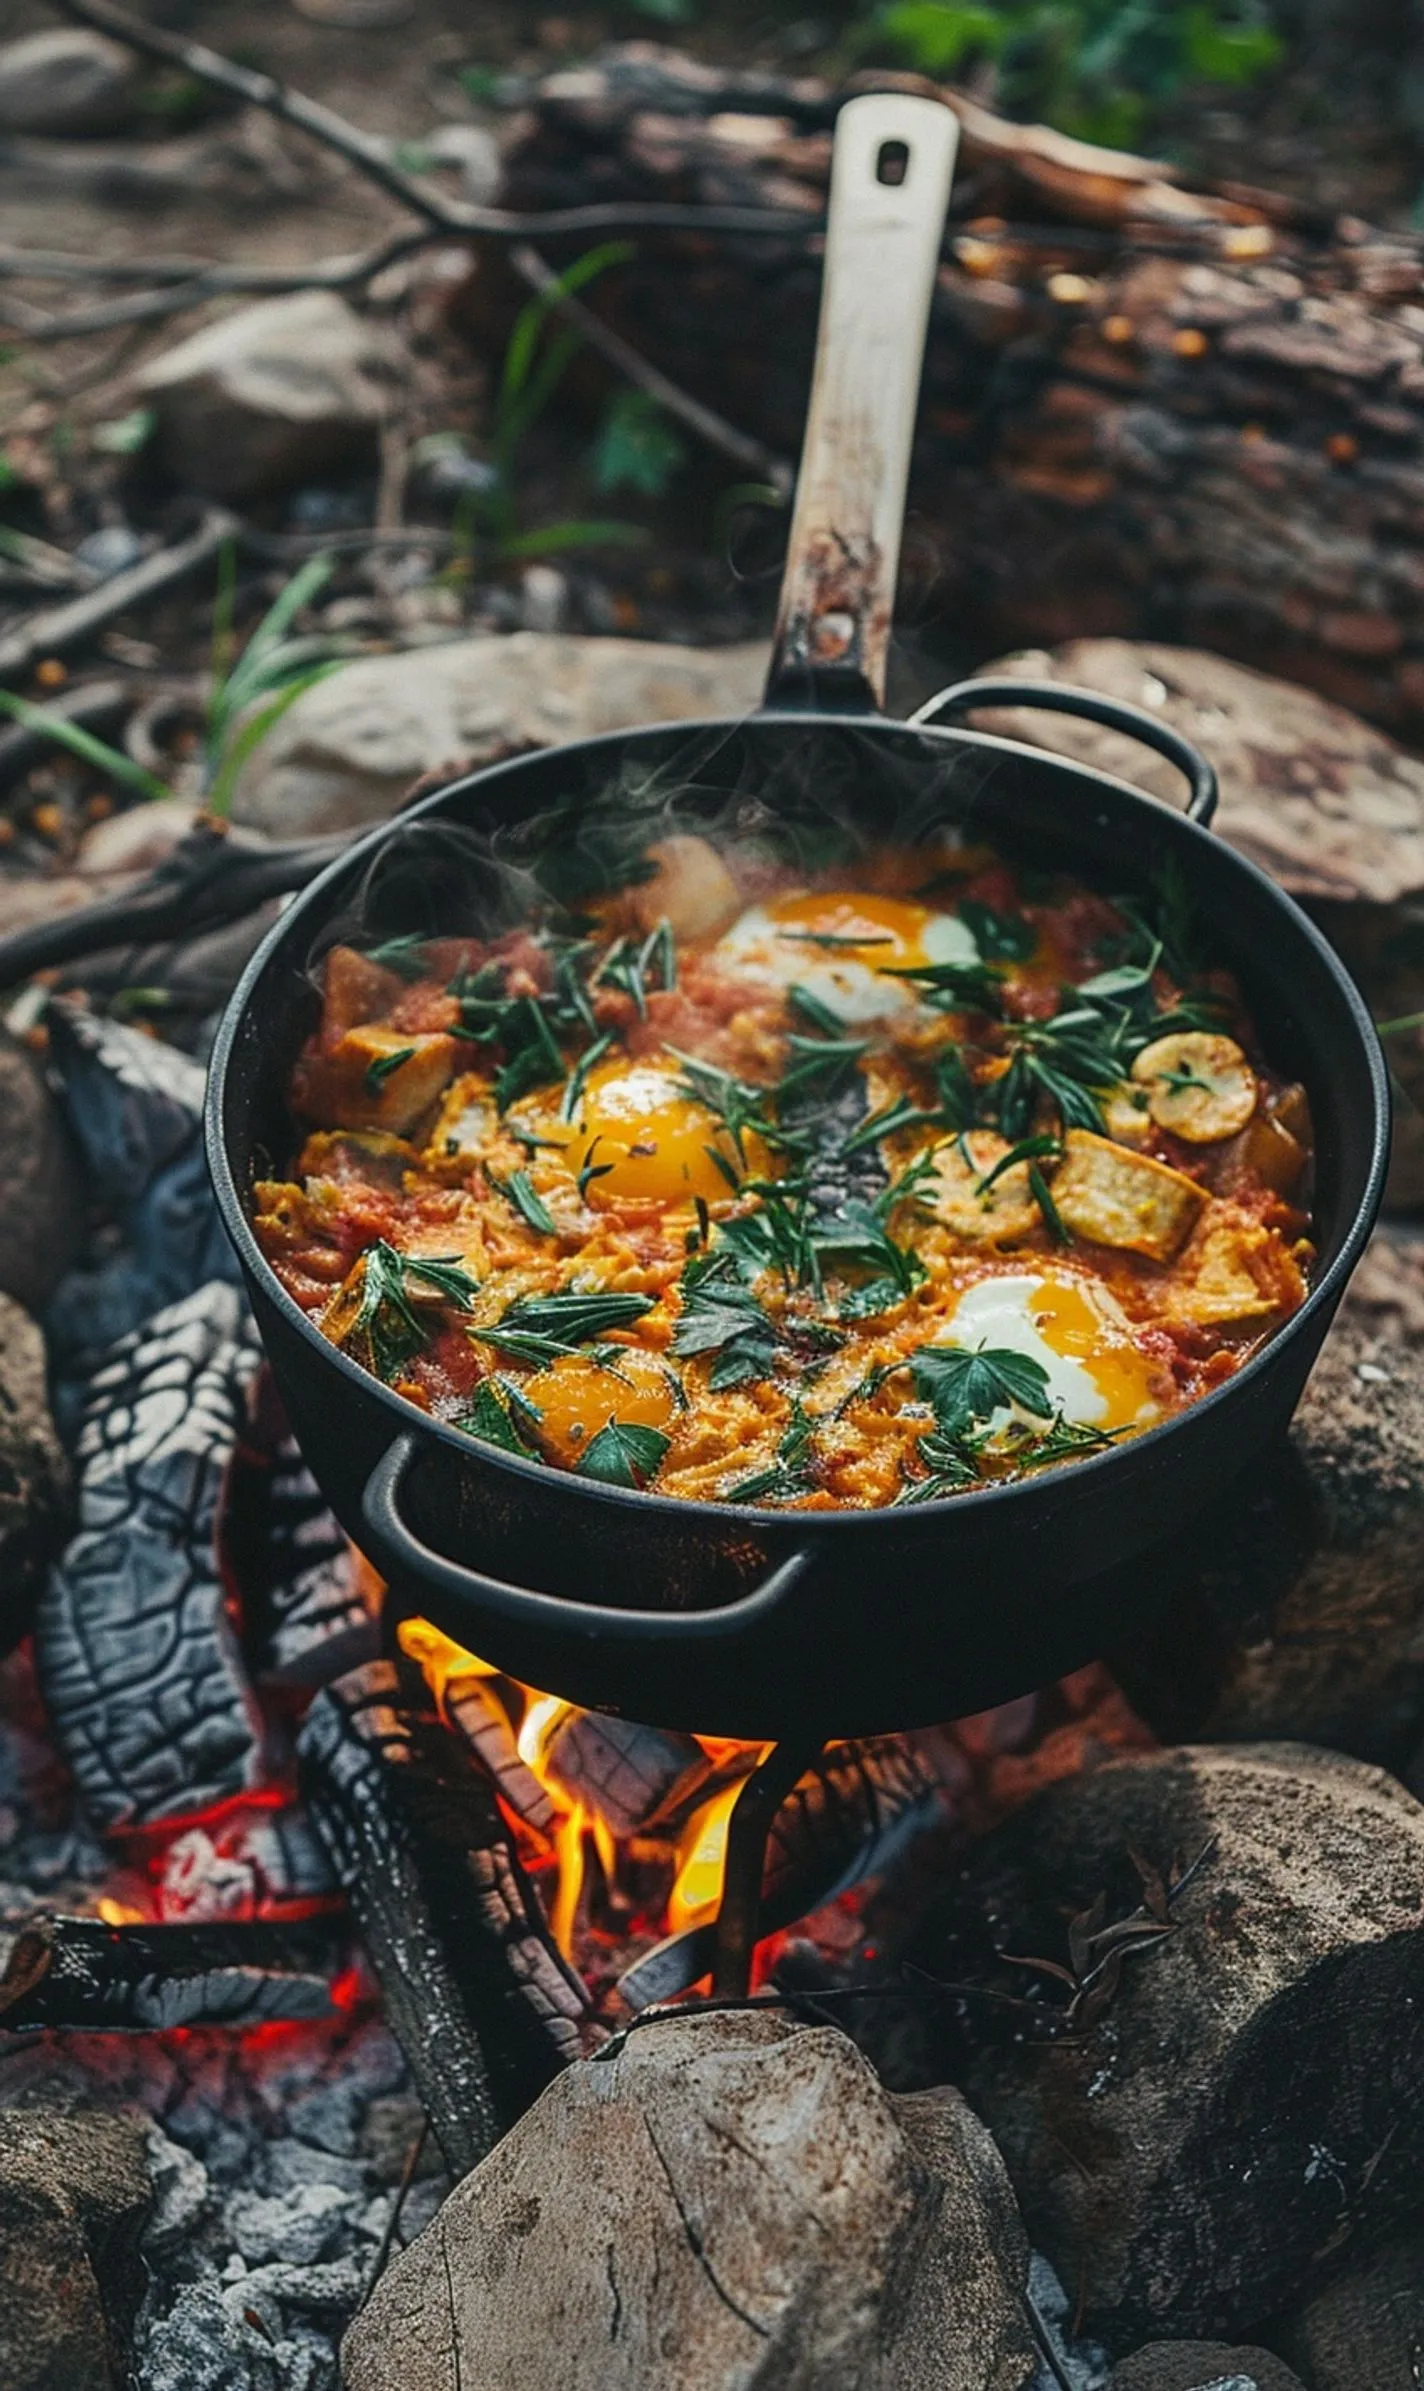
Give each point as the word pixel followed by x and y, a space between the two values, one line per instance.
pixel 541 348
pixel 1096 68
pixel 637 448
pixel 272 668
pixel 106 759
pixel 124 435
pixel 623 1454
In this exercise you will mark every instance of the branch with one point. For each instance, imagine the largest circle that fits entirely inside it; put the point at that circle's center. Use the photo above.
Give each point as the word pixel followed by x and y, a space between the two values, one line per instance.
pixel 59 627
pixel 625 359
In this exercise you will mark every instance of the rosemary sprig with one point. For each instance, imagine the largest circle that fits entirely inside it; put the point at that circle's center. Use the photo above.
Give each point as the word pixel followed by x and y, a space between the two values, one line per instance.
pixel 386 1315
pixel 380 1067
pixel 519 1190
pixel 1000 937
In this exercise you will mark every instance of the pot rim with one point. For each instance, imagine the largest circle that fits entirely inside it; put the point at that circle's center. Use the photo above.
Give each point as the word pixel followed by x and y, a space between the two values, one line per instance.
pixel 406 1417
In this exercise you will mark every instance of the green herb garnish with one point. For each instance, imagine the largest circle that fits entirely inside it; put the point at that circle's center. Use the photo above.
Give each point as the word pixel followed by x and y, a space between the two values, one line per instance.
pixel 1000 937
pixel 623 1454
pixel 519 1190
pixel 380 1067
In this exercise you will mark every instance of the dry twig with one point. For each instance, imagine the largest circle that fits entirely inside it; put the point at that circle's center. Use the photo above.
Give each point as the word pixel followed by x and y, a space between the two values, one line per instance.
pixel 61 627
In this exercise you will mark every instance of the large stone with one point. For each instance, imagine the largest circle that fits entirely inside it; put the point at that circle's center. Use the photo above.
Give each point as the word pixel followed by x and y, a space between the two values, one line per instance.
pixel 1300 1609
pixel 65 82
pixel 1366 2327
pixel 348 750
pixel 1206 2366
pixel 1324 802
pixel 34 1475
pixel 74 2193
pixel 42 1196
pixel 1233 2103
pixel 279 391
pixel 730 2202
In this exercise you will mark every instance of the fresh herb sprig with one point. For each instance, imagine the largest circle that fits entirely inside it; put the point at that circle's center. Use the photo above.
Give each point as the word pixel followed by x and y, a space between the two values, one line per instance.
pixel 391 1284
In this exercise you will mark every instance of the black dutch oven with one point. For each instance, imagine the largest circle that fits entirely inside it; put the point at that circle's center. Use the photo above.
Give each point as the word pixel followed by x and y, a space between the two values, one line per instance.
pixel 731 1619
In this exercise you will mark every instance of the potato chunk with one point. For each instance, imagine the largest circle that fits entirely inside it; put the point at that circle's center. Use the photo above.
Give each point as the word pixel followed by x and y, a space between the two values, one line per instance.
pixel 1112 1197
pixel 691 889
pixel 374 1078
pixel 1125 1114
pixel 1200 1086
pixel 1003 1214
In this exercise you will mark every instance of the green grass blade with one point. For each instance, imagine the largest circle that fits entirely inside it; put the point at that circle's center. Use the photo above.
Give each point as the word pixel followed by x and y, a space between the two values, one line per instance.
pixel 109 760
pixel 253 732
pixel 551 538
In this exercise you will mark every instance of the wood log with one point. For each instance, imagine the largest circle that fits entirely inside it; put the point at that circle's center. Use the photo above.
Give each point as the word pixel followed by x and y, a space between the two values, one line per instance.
pixel 1150 408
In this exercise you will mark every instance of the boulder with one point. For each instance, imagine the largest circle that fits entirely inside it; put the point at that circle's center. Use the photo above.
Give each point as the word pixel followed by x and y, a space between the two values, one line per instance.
pixel 348 750
pixel 74 2193
pixel 34 1475
pixel 729 2201
pixel 1229 2101
pixel 1299 1611
pixel 1324 802
pixel 287 388
pixel 66 82
pixel 42 1194
pixel 1327 804
pixel 1366 2327
pixel 1205 2366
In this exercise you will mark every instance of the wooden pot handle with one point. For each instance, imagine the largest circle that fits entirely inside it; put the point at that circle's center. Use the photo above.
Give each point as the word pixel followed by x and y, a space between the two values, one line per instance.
pixel 890 180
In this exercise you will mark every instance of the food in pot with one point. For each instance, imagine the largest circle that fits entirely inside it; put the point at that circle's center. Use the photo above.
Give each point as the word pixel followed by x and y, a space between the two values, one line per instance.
pixel 824 1190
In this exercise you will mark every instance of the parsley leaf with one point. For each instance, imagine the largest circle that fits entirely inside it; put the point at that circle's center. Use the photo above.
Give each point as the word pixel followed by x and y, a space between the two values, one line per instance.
pixel 492 1416
pixel 623 1454
pixel 967 1387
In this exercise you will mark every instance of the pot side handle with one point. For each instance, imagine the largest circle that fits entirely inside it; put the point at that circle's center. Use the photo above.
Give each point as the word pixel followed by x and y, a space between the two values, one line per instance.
pixel 1056 697
pixel 399 1552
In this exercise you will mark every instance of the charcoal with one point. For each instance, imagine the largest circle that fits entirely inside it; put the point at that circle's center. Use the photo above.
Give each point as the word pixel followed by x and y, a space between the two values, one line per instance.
pixel 78 1973
pixel 481 2002
pixel 847 1818
pixel 625 1774
pixel 476 1711
pixel 257 1862
pixel 137 1659
pixel 305 1617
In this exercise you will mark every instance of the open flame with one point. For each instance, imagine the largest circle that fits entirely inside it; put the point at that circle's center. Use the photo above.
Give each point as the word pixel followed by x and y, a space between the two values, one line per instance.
pixel 682 1829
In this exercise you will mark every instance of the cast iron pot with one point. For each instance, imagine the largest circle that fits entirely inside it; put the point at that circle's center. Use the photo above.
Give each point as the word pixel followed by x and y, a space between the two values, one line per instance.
pixel 738 1620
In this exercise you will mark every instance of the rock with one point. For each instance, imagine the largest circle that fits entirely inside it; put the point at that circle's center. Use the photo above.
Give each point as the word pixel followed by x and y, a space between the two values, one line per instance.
pixel 64 82
pixel 350 747
pixel 1240 2106
pixel 1366 2327
pixel 34 1475
pixel 138 838
pixel 1206 2366
pixel 1301 1610
pixel 280 391
pixel 74 2192
pixel 42 1195
pixel 730 2201
pixel 1324 802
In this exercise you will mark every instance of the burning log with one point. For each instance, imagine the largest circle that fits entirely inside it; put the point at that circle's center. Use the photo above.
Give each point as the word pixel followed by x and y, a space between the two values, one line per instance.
pixel 845 1819
pixel 78 1974
pixel 473 1709
pixel 627 1775
pixel 480 2000
pixel 1151 408
pixel 136 1654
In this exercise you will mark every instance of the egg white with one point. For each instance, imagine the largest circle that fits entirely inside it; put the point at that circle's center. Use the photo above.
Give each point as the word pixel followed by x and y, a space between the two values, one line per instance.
pixel 999 1312
pixel 757 948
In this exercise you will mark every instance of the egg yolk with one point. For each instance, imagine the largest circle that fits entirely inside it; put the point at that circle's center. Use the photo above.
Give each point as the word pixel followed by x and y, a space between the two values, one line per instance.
pixel 1077 1333
pixel 883 933
pixel 643 1138
pixel 576 1396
